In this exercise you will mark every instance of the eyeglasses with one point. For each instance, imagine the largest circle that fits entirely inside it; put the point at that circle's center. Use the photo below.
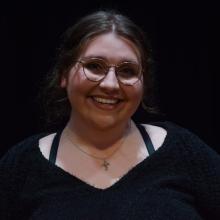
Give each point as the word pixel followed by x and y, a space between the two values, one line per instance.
pixel 95 69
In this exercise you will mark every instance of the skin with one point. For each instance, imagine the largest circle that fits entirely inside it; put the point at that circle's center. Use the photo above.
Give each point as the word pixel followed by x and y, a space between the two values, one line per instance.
pixel 90 119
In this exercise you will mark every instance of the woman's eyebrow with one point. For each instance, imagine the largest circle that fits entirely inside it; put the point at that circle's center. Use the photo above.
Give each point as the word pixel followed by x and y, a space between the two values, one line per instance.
pixel 121 60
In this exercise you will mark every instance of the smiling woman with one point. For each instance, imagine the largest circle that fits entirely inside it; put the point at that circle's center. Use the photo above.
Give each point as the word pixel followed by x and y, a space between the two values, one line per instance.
pixel 107 102
pixel 99 163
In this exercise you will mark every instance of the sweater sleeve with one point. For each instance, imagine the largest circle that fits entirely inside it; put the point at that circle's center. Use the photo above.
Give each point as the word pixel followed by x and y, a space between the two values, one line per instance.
pixel 204 167
pixel 13 172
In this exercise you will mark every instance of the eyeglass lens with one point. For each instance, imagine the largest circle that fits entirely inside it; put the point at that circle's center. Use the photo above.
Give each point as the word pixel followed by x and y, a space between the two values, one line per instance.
pixel 96 69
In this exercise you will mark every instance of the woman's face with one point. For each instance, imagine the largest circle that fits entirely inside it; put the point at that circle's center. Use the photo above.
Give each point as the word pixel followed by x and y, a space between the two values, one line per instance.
pixel 106 103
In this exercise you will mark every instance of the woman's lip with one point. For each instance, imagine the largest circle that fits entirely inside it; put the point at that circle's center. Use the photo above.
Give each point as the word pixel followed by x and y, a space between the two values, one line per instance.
pixel 107 97
pixel 106 100
pixel 105 106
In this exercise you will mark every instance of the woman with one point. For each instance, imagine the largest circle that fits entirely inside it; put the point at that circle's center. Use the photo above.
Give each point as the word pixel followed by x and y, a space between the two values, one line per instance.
pixel 101 164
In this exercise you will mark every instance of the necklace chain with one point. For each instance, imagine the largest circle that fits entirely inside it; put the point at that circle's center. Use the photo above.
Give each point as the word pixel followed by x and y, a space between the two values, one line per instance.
pixel 105 162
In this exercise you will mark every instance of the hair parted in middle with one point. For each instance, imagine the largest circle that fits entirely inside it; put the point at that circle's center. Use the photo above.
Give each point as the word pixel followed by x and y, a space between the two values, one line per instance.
pixel 74 40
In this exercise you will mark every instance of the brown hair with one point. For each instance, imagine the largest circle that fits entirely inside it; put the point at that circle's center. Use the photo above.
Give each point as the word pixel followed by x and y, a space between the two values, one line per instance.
pixel 56 105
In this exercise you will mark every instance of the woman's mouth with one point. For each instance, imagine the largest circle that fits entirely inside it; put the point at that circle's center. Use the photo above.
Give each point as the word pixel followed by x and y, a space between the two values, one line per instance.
pixel 106 100
pixel 105 103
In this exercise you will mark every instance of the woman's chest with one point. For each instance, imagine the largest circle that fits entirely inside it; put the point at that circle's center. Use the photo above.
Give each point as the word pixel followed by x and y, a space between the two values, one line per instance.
pixel 168 198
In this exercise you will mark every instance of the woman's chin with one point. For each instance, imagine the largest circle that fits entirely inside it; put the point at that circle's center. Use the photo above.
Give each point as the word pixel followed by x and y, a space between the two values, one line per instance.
pixel 104 122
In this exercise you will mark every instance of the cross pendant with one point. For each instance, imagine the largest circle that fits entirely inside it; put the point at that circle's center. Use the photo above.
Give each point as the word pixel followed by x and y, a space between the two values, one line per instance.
pixel 105 164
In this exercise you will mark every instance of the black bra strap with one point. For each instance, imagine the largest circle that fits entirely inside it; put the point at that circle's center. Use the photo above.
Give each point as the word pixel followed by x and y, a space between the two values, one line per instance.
pixel 56 140
pixel 146 138
pixel 54 147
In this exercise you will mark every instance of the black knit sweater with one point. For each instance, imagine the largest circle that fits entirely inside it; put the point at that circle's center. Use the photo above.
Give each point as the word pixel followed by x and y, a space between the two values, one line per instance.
pixel 181 180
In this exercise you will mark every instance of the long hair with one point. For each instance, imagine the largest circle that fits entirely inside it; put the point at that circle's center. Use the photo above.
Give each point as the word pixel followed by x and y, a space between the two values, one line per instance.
pixel 74 40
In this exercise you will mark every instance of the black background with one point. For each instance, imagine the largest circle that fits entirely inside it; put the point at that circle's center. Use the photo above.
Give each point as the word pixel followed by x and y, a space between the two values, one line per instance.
pixel 184 37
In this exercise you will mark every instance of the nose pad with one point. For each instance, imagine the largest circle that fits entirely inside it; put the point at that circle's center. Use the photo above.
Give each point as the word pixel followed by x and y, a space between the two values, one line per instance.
pixel 110 80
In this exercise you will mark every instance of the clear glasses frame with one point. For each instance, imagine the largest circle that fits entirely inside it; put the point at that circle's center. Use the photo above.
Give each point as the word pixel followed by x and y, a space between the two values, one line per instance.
pixel 96 69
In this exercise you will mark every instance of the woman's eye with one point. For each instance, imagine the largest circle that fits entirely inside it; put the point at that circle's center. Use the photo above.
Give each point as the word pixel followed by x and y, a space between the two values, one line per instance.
pixel 126 72
pixel 94 66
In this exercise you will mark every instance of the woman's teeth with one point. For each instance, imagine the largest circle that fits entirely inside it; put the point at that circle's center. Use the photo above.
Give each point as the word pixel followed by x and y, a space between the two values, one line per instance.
pixel 105 101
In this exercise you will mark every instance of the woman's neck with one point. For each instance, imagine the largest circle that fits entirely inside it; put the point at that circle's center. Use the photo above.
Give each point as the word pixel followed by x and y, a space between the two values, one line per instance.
pixel 100 138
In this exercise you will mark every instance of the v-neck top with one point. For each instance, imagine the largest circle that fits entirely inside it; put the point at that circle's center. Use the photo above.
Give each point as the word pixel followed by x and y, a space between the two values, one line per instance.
pixel 181 180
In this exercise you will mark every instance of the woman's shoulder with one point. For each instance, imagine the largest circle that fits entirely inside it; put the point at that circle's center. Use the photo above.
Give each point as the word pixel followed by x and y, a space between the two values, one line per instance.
pixel 170 126
pixel 174 130
pixel 184 138
pixel 18 151
pixel 174 134
pixel 157 134
pixel 166 132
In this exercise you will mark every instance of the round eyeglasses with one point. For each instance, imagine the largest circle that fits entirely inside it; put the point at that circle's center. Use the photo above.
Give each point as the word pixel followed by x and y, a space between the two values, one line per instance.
pixel 95 69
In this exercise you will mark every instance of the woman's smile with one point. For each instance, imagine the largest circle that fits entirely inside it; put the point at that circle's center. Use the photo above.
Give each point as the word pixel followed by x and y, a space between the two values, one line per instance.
pixel 106 103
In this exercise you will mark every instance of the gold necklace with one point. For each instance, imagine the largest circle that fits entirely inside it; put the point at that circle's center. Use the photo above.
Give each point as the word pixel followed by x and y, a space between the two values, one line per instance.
pixel 105 161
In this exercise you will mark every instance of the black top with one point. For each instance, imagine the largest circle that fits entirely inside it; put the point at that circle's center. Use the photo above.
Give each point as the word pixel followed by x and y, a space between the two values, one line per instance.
pixel 181 180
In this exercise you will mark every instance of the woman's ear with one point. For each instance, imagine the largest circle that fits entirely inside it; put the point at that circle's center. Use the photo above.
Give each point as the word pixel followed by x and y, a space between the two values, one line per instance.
pixel 63 82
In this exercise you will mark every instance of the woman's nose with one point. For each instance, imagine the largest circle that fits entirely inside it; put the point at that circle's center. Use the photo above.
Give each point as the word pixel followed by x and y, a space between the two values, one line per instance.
pixel 110 81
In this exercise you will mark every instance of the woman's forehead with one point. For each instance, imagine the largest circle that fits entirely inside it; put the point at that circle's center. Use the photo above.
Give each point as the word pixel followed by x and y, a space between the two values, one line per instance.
pixel 111 46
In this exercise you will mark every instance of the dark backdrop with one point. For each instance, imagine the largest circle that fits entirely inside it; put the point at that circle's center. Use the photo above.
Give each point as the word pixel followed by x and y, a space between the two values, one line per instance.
pixel 184 37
